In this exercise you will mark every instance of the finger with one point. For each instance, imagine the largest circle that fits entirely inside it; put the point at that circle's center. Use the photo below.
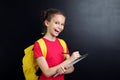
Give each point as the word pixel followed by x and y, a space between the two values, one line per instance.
pixel 63 69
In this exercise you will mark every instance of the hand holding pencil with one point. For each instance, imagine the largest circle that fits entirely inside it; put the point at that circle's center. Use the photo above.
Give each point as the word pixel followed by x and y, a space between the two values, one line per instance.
pixel 72 58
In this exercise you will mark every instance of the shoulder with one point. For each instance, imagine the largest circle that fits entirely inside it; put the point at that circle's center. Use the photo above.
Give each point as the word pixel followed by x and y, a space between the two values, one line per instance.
pixel 61 40
pixel 36 43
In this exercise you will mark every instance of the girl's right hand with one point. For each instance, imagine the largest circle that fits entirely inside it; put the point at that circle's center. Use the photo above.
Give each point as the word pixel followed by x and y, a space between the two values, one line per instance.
pixel 75 55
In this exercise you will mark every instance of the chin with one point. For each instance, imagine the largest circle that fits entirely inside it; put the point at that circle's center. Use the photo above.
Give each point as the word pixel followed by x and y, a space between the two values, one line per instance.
pixel 55 35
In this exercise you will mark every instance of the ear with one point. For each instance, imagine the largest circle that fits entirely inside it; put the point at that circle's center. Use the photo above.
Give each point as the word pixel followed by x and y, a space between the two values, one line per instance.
pixel 46 23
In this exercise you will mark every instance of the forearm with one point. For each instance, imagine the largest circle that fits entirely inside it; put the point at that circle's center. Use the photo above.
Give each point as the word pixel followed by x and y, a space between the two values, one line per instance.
pixel 47 71
pixel 51 71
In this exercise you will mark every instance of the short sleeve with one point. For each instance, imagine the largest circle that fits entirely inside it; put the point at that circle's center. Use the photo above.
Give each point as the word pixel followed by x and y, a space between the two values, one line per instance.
pixel 37 50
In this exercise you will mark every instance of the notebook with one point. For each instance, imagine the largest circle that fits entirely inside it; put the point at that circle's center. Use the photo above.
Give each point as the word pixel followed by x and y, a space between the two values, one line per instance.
pixel 74 62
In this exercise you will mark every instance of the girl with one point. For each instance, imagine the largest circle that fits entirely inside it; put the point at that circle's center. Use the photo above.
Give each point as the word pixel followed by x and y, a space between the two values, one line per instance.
pixel 54 21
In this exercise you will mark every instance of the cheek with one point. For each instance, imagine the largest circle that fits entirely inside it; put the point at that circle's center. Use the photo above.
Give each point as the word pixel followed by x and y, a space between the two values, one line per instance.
pixel 62 28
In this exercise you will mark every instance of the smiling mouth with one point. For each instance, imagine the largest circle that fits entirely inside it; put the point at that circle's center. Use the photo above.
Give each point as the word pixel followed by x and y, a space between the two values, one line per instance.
pixel 57 31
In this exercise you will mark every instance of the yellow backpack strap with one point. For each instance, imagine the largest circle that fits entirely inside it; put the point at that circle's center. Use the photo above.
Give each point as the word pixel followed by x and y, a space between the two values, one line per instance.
pixel 43 47
pixel 62 42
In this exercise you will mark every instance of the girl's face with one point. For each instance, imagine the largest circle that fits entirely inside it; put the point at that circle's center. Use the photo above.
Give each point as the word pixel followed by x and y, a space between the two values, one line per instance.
pixel 55 25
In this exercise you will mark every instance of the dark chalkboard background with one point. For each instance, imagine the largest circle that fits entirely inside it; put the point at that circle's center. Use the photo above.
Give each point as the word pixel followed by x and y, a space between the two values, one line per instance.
pixel 92 26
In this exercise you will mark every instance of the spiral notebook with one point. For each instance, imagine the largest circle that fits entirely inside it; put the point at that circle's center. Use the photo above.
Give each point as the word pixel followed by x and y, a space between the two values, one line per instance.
pixel 75 61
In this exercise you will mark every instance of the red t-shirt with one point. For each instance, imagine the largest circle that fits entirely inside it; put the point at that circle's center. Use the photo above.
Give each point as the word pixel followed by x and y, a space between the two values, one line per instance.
pixel 53 58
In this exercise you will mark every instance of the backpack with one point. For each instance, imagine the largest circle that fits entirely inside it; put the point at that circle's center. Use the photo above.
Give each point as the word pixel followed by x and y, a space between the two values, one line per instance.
pixel 29 63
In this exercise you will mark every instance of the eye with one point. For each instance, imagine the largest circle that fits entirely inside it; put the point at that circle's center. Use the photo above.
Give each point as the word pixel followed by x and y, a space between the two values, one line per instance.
pixel 63 24
pixel 57 22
